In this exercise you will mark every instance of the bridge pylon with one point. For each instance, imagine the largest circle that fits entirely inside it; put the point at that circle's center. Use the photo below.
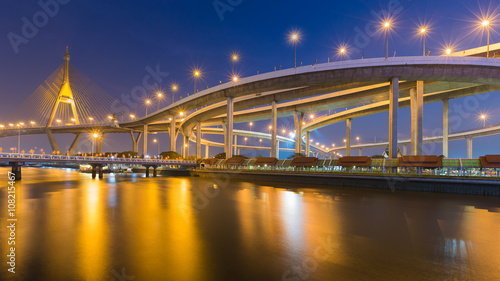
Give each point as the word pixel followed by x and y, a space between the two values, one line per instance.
pixel 65 94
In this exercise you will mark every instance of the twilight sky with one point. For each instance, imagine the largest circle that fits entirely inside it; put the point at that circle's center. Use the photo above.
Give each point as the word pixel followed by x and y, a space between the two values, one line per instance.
pixel 113 42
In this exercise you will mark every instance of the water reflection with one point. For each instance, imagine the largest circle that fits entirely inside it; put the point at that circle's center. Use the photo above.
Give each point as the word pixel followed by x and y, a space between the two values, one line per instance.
pixel 74 228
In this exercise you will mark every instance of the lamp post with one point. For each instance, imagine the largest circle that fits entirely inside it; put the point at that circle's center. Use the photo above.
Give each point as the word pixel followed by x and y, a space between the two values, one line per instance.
pixel 159 96
pixel 294 37
pixel 486 23
pixel 484 120
pixel 19 139
pixel 94 140
pixel 342 52
pixel 147 105
pixel 174 89
pixel 251 124
pixel 196 74
pixel 423 31
pixel 387 26
pixel 158 145
pixel 234 59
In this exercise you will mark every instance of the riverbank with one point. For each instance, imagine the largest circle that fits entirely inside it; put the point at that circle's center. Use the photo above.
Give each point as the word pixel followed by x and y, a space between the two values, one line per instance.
pixel 394 182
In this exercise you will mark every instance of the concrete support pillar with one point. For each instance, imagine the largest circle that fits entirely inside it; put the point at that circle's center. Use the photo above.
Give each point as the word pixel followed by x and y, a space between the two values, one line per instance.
pixel 298 118
pixel 348 137
pixel 417 111
pixel 229 128
pixel 185 146
pixel 445 127
pixel 101 172
pixel 405 150
pixel 147 171
pixel 155 171
pixel 94 171
pixel 308 143
pixel 274 129
pixel 393 117
pixel 16 170
pixel 198 139
pixel 277 149
pixel 360 152
pixel 235 145
pixel 469 148
pixel 52 140
pixel 145 141
pixel 207 148
pixel 135 141
pixel 72 148
pixel 238 152
pixel 173 134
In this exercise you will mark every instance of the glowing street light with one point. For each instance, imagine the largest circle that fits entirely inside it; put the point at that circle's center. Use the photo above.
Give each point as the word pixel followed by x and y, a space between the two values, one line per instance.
pixel 158 144
pixel 486 24
pixel 294 37
pixel 357 138
pixel 159 97
pixel 448 51
pixel 148 102
pixel 251 124
pixel 284 131
pixel 246 140
pixel 311 116
pixel 235 79
pixel 423 31
pixel 174 89
pixel 484 120
pixel 132 116
pixel 196 75
pixel 333 145
pixel 94 141
pixel 181 113
pixel 387 26
pixel 342 51
pixel 33 123
pixel 260 141
pixel 234 59
pixel 58 121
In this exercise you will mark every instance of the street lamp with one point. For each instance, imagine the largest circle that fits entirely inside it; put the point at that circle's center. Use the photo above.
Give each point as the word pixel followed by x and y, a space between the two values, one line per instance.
pixel 147 105
pixel 423 31
pixel 196 75
pixel 246 140
pixel 448 51
pixel 159 97
pixel 295 37
pixel 387 26
pixel 19 138
pixel 174 89
pixel 260 141
pixel 486 23
pixel 93 142
pixel 234 59
pixel 157 144
pixel 33 123
pixel 311 116
pixel 484 120
pixel 251 124
pixel 342 52
pixel 58 122
pixel 132 116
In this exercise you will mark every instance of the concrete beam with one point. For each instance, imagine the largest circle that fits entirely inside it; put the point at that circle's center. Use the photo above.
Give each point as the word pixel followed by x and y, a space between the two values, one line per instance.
pixel 393 117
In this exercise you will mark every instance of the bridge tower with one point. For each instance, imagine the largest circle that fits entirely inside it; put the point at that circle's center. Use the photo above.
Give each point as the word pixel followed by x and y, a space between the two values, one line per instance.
pixel 65 95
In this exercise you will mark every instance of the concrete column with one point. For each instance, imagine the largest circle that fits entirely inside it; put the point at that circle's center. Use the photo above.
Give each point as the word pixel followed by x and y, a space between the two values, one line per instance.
pixel 185 146
pixel 348 137
pixel 235 145
pixel 298 120
pixel 207 148
pixel 445 127
pixel 405 150
pixel 147 171
pixel 274 129
pixel 94 171
pixel 393 117
pixel 198 139
pixel 417 110
pixel 229 128
pixel 16 170
pixel 360 152
pixel 135 141
pixel 101 172
pixel 173 134
pixel 155 171
pixel 72 148
pixel 52 140
pixel 308 143
pixel 277 149
pixel 469 148
pixel 145 141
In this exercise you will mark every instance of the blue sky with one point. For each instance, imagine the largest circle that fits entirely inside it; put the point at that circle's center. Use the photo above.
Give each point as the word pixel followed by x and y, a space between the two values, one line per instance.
pixel 112 42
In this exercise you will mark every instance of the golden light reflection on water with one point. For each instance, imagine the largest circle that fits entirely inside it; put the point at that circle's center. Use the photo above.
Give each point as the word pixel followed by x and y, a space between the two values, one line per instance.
pixel 190 229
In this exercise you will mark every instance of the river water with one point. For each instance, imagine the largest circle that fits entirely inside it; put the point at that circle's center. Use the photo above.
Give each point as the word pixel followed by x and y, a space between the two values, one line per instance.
pixel 127 227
